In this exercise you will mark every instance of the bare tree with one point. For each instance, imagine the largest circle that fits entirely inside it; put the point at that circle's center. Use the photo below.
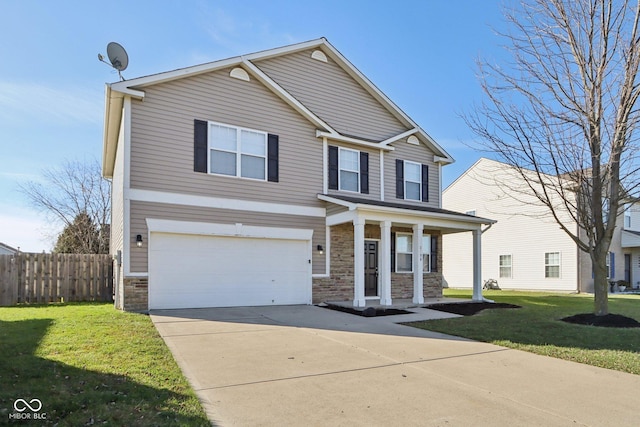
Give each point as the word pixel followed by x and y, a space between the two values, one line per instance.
pixel 75 190
pixel 563 114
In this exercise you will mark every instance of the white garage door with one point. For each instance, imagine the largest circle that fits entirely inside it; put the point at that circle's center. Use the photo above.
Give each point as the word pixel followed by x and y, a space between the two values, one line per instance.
pixel 192 271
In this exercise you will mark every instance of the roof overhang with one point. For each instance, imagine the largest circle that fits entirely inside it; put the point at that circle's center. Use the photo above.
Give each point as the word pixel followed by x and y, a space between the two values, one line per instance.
pixel 630 239
pixel 377 211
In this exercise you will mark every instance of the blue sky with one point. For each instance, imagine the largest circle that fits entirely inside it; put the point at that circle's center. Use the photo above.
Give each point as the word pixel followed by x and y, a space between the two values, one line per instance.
pixel 421 54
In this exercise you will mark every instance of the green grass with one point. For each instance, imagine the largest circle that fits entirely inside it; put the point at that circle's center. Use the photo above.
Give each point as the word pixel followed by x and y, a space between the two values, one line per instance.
pixel 91 364
pixel 536 328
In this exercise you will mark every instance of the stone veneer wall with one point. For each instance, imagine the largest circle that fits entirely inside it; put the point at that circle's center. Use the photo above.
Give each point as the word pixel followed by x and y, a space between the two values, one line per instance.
pixel 136 294
pixel 339 286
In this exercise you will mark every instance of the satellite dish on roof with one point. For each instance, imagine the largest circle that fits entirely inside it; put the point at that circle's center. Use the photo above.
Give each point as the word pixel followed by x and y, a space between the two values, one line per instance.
pixel 117 57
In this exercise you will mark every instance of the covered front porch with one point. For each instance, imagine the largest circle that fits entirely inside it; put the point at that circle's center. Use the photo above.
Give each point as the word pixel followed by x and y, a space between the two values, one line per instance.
pixel 395 249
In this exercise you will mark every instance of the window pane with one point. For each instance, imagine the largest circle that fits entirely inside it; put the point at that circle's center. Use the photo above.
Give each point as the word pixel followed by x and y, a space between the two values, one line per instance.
pixel 505 272
pixel 412 172
pixel 253 143
pixel 350 160
pixel 412 191
pixel 552 271
pixel 426 252
pixel 404 243
pixel 552 258
pixel 252 167
pixel 404 262
pixel 223 162
pixel 223 138
pixel 349 181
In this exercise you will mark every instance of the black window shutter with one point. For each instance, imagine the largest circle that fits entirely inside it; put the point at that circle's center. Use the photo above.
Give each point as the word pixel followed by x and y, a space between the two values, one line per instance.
pixel 200 146
pixel 399 179
pixel 425 183
pixel 364 173
pixel 434 254
pixel 272 158
pixel 393 252
pixel 333 167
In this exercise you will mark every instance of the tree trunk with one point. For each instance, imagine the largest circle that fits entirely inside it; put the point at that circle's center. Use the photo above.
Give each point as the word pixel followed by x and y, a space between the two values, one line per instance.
pixel 600 284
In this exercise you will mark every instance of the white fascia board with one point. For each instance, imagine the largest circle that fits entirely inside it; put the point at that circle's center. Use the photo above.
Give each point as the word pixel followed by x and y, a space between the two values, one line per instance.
pixel 399 136
pixel 341 218
pixel 285 96
pixel 349 205
pixel 381 213
pixel 337 137
pixel 221 203
pixel 270 53
pixel 227 230
pixel 175 74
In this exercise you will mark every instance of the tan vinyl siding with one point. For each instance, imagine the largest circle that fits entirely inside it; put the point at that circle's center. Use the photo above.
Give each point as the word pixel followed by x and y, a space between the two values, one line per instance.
pixel 140 211
pixel 374 172
pixel 333 209
pixel 414 153
pixel 117 199
pixel 334 96
pixel 162 139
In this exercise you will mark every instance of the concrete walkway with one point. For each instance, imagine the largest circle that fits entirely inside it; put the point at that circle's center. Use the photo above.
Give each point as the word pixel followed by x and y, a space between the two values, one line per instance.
pixel 310 366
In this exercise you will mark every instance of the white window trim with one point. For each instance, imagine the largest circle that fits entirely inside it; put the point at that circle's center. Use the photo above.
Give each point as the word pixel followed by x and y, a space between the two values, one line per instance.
pixel 500 266
pixel 404 253
pixel 553 265
pixel 627 216
pixel 340 169
pixel 426 252
pixel 238 152
pixel 405 163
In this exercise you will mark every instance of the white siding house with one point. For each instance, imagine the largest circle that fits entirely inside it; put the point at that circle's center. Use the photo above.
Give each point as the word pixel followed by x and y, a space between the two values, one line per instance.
pixel 526 249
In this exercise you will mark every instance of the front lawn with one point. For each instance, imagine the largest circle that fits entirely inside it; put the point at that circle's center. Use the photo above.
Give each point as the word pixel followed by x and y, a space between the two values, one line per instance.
pixel 537 328
pixel 89 364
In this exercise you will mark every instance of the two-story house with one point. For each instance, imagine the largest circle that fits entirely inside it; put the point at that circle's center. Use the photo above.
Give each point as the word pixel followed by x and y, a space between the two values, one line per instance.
pixel 279 177
pixel 526 249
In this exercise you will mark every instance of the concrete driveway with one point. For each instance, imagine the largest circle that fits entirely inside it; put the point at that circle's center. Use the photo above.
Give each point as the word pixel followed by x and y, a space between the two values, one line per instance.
pixel 310 366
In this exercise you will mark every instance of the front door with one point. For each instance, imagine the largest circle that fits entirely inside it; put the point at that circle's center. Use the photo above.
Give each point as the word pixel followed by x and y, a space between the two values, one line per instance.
pixel 627 268
pixel 370 268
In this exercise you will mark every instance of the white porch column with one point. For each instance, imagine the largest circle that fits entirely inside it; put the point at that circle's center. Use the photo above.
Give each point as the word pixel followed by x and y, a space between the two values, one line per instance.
pixel 358 263
pixel 418 279
pixel 477 265
pixel 385 263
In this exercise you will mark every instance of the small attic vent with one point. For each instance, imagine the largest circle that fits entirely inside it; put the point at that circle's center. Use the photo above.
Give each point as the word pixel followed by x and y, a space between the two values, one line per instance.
pixel 319 55
pixel 240 74
pixel 413 140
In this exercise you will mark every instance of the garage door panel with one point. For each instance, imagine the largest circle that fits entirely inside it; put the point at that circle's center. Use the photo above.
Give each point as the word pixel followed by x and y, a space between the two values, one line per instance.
pixel 209 271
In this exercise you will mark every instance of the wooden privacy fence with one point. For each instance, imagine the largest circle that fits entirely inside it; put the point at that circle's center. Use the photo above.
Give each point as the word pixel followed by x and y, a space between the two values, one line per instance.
pixel 44 278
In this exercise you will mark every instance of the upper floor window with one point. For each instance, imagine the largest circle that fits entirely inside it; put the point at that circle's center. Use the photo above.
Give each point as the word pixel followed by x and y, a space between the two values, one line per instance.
pixel 412 181
pixel 627 216
pixel 348 170
pixel 234 151
pixel 349 178
pixel 237 152
pixel 552 265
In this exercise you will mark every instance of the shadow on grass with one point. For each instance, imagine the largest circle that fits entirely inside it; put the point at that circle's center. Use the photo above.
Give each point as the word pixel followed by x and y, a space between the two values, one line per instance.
pixel 71 396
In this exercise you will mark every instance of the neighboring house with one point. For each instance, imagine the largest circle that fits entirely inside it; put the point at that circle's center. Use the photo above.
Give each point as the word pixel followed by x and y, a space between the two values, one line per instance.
pixel 7 250
pixel 280 177
pixel 526 249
